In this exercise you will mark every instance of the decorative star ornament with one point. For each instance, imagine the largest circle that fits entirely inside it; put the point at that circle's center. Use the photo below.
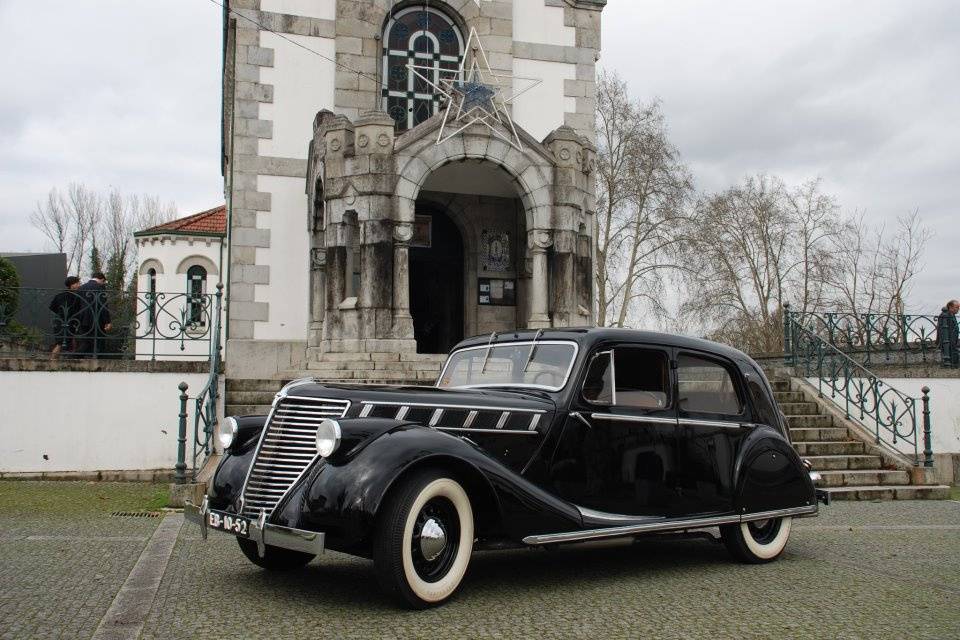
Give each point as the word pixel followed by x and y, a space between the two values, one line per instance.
pixel 475 94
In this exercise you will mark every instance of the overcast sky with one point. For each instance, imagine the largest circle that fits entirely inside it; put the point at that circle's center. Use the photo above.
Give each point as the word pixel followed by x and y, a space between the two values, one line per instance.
pixel 865 94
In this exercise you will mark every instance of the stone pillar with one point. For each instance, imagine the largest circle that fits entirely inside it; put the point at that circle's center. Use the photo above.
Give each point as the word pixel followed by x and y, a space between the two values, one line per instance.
pixel 538 242
pixel 402 320
pixel 318 298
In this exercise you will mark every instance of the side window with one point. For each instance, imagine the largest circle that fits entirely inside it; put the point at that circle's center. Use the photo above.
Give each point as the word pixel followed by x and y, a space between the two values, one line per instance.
pixel 705 386
pixel 630 378
pixel 766 413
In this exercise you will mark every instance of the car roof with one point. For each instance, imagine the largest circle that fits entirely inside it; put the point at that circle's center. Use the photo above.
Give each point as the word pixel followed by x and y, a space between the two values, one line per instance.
pixel 587 337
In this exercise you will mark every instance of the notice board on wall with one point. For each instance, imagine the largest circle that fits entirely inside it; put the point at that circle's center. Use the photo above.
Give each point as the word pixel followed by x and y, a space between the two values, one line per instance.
pixel 498 292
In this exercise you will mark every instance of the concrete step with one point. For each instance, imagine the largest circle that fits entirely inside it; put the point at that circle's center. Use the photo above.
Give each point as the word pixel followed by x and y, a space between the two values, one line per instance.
pixel 827 448
pixel 383 357
pixel 247 409
pixel 789 396
pixel 891 492
pixel 810 422
pixel 250 397
pixel 780 384
pixel 866 477
pixel 800 408
pixel 243 384
pixel 370 365
pixel 830 434
pixel 842 462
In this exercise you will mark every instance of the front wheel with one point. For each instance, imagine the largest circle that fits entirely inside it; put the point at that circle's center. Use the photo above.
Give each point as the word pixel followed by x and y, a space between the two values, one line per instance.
pixel 424 539
pixel 274 558
pixel 757 541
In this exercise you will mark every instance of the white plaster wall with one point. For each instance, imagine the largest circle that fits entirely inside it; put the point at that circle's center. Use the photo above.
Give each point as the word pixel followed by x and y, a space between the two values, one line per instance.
pixel 170 252
pixel 288 258
pixel 944 410
pixel 91 421
pixel 323 9
pixel 534 22
pixel 539 110
pixel 303 83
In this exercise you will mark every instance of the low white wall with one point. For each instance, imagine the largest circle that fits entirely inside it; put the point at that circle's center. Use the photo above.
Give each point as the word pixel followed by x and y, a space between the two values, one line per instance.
pixel 92 421
pixel 944 410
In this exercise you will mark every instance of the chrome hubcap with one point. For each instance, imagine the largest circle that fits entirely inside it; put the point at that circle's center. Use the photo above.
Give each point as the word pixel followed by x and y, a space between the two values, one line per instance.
pixel 433 540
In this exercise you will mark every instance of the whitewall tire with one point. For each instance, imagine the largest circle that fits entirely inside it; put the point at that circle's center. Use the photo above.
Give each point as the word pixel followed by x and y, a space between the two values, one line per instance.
pixel 424 539
pixel 757 541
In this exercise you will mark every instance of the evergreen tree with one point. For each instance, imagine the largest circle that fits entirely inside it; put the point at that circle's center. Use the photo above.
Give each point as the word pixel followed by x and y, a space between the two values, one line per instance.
pixel 95 264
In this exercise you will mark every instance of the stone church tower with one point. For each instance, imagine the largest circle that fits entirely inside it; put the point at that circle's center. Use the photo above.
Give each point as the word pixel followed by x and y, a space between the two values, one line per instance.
pixel 402 174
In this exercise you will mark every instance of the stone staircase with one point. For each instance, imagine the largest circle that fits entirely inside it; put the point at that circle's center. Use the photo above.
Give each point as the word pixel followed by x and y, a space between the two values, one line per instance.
pixel 853 467
pixel 253 396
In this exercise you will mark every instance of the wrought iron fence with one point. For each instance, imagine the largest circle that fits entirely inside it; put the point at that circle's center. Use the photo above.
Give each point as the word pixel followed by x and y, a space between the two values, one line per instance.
pixel 880 338
pixel 891 415
pixel 100 323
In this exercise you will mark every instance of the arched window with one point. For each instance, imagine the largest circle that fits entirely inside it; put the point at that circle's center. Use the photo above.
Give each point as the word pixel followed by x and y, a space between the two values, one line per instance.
pixel 196 287
pixel 152 296
pixel 425 37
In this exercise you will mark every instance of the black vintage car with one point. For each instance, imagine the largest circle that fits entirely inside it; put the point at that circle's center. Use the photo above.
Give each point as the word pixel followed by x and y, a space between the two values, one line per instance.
pixel 528 439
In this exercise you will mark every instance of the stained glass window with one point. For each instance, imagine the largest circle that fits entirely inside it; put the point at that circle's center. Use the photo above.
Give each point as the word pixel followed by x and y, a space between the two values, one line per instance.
pixel 424 37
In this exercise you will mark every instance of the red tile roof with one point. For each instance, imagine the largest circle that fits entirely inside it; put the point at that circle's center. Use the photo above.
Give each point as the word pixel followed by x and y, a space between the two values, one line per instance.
pixel 212 222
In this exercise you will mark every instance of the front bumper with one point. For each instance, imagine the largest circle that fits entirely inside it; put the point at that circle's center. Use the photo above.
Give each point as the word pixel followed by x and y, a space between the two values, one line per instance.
pixel 263 534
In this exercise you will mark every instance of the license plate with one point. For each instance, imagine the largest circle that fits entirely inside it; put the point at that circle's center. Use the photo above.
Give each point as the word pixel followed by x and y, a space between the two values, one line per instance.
pixel 231 524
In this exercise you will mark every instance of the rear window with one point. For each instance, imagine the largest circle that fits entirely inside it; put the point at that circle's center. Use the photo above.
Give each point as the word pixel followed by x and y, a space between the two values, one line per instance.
pixel 706 386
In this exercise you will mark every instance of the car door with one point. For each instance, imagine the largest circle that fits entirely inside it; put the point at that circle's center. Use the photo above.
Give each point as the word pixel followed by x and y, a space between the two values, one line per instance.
pixel 618 450
pixel 713 421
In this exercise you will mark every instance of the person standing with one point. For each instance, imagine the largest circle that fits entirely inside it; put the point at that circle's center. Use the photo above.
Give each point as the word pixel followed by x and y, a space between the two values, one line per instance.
pixel 65 307
pixel 948 334
pixel 94 316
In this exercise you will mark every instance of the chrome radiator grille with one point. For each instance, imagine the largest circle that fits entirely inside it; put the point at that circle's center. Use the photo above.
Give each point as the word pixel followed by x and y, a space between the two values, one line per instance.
pixel 286 450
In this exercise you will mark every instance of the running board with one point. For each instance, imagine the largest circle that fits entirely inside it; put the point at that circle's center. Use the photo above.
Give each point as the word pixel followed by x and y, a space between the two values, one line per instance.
pixel 666 525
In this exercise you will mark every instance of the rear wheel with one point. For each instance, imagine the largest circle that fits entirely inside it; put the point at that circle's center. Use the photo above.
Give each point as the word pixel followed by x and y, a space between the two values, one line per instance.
pixel 424 539
pixel 274 558
pixel 757 541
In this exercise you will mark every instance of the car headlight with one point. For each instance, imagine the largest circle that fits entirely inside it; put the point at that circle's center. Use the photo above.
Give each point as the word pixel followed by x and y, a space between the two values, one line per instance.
pixel 328 437
pixel 226 432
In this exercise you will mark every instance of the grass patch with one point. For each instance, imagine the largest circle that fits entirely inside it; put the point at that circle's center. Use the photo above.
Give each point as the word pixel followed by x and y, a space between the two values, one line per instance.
pixel 955 493
pixel 25 496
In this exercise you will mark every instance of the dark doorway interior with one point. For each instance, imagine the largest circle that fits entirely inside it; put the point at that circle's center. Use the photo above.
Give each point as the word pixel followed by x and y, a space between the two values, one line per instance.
pixel 436 284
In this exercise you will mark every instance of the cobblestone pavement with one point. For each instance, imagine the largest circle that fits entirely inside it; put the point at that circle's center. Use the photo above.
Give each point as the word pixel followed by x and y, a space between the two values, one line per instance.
pixel 861 570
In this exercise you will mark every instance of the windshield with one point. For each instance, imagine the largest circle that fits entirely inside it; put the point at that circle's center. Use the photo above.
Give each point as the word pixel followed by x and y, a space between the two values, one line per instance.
pixel 541 365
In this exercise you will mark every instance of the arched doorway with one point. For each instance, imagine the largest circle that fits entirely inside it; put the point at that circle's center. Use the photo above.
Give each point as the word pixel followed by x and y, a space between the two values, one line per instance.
pixel 436 280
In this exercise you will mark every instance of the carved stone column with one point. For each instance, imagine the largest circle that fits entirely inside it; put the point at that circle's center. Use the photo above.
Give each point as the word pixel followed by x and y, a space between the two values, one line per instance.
pixel 318 299
pixel 538 242
pixel 402 320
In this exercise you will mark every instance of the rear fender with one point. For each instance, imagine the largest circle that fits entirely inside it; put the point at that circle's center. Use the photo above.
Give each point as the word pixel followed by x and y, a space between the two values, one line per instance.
pixel 770 474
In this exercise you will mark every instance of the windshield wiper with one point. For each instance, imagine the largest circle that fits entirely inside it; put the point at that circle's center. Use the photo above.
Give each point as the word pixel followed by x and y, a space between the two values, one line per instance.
pixel 533 349
pixel 493 336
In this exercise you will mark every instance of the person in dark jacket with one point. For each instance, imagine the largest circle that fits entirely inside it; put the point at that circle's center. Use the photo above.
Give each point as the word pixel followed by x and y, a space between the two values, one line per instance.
pixel 948 334
pixel 65 308
pixel 94 317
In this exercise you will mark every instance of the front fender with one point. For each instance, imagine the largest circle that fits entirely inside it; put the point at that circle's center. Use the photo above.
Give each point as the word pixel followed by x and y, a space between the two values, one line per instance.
pixel 769 475
pixel 342 497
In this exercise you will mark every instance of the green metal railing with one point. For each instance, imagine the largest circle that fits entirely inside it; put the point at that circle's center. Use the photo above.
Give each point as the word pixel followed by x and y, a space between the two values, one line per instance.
pixel 883 338
pixel 205 416
pixel 893 417
pixel 80 324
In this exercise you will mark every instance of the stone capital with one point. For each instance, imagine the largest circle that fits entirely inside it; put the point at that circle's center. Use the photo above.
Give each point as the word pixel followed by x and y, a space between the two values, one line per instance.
pixel 402 232
pixel 539 240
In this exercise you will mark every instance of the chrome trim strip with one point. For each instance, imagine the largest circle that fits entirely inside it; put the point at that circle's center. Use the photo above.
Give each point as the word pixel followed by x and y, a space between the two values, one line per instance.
pixel 514 432
pixel 501 423
pixel 779 513
pixel 723 424
pixel 469 419
pixel 402 412
pixel 619 417
pixel 667 525
pixel 534 422
pixel 447 406
pixel 366 411
pixel 435 418
pixel 494 345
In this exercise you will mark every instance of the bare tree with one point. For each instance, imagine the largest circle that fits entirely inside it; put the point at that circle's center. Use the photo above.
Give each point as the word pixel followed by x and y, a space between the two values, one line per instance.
pixel 52 220
pixel 643 190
